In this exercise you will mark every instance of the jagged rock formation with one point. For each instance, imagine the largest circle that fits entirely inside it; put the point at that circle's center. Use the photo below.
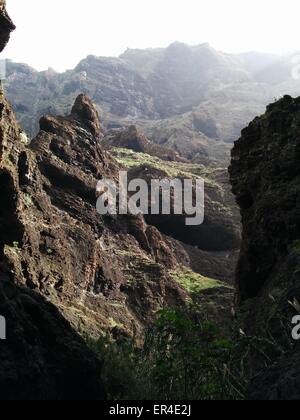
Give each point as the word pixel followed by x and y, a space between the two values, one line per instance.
pixel 103 273
pixel 99 273
pixel 6 26
pixel 134 139
pixel 69 248
pixel 193 100
pixel 43 357
pixel 211 246
pixel 265 177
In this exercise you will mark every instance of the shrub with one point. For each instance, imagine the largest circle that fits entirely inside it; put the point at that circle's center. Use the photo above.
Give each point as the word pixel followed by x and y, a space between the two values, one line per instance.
pixel 296 246
pixel 181 359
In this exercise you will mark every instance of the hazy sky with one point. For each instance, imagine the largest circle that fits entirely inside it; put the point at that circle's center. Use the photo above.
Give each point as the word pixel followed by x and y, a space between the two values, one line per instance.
pixel 59 33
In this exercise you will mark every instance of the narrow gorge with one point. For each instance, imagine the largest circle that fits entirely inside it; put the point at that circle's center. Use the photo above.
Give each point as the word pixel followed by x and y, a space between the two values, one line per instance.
pixel 89 298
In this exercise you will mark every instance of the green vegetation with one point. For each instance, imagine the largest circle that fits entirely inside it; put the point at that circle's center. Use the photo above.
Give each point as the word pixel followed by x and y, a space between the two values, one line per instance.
pixel 16 246
pixel 193 282
pixel 184 357
pixel 296 246
pixel 181 358
pixel 131 159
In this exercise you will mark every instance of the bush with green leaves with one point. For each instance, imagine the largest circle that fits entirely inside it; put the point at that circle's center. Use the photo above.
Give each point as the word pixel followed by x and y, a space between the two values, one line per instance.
pixel 182 358
pixel 188 358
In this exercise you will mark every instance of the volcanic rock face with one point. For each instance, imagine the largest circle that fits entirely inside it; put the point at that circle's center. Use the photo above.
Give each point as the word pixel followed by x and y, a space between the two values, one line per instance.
pixel 144 160
pixel 101 273
pixel 43 357
pixel 6 26
pixel 193 100
pixel 265 177
pixel 134 139
pixel 84 112
pixel 265 174
pixel 74 256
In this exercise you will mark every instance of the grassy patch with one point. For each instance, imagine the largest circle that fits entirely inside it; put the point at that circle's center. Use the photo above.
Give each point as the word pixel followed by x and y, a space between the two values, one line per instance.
pixel 296 246
pixel 131 159
pixel 194 282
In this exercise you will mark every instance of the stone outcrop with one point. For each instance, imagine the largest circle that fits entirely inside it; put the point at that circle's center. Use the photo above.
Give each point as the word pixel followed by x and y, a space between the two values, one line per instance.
pixel 220 231
pixel 6 26
pixel 84 112
pixel 42 357
pixel 192 100
pixel 103 272
pixel 133 138
pixel 265 177
pixel 63 264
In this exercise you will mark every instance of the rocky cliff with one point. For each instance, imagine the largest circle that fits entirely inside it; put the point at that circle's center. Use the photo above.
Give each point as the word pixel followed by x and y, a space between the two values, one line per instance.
pixel 6 26
pixel 74 246
pixel 265 178
pixel 66 272
pixel 60 260
pixel 42 357
pixel 194 100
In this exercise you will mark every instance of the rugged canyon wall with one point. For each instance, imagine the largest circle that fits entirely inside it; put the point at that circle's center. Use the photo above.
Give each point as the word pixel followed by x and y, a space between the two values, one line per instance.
pixel 265 175
pixel 64 269
pixel 67 272
pixel 6 25
pixel 42 357
pixel 62 264
pixel 193 100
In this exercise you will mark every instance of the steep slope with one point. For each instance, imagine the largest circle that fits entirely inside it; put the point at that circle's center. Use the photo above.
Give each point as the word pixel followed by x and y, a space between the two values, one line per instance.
pixel 42 357
pixel 6 26
pixel 101 274
pixel 192 99
pixel 70 248
pixel 134 139
pixel 220 230
pixel 212 246
pixel 265 178
pixel 183 76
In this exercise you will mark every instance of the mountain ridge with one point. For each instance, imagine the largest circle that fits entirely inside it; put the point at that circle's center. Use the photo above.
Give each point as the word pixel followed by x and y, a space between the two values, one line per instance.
pixel 186 98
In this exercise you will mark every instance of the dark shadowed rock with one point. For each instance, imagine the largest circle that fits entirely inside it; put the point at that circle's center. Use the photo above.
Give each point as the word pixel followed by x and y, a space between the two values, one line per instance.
pixel 265 177
pixel 65 268
pixel 43 357
pixel 6 26
pixel 85 112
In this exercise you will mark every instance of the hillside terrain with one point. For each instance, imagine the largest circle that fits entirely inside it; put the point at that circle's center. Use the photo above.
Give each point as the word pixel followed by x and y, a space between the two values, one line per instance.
pixel 144 307
pixel 68 273
pixel 267 154
pixel 194 100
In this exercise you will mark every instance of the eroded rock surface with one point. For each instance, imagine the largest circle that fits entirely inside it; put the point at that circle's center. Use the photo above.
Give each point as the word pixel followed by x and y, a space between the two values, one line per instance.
pixel 43 357
pixel 133 138
pixel 6 26
pixel 220 231
pixel 104 273
pixel 265 177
